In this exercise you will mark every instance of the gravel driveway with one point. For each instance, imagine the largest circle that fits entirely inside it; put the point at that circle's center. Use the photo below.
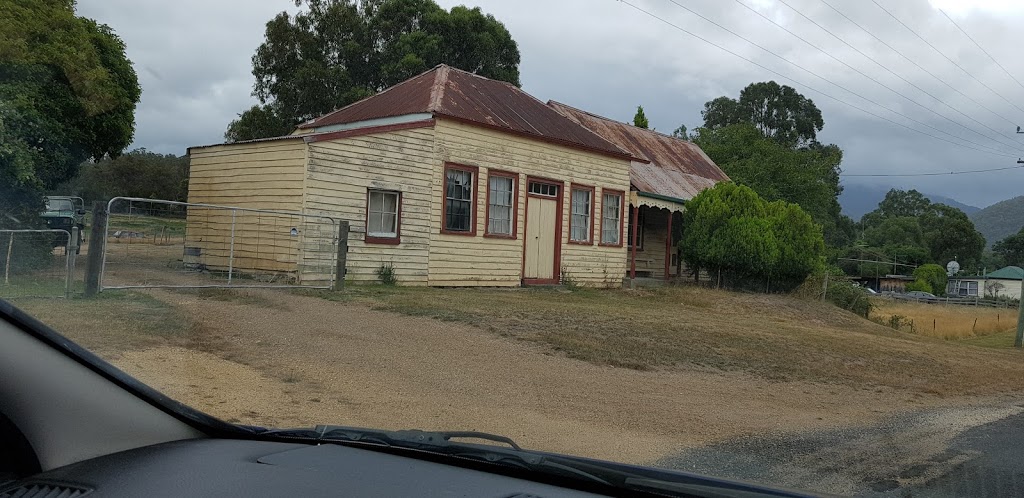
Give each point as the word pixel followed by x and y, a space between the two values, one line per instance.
pixel 305 360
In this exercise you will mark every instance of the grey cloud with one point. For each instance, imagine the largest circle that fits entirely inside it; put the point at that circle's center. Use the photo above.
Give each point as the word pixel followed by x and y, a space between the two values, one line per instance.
pixel 193 59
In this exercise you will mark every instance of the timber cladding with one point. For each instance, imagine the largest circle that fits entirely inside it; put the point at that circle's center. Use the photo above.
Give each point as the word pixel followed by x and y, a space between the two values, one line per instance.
pixel 454 261
pixel 260 175
pixel 336 176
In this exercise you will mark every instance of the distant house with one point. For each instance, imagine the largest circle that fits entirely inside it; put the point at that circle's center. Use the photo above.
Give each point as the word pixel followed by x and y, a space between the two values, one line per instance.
pixel 459 180
pixel 1002 283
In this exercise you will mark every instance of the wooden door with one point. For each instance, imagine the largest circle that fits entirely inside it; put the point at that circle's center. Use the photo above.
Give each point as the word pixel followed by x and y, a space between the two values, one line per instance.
pixel 541 227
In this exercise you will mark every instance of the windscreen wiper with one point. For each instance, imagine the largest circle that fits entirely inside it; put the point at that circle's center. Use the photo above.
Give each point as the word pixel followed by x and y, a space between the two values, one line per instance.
pixel 618 476
pixel 440 443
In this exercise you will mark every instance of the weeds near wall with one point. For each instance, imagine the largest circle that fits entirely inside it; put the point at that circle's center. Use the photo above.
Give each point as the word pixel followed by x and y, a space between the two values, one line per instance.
pixel 568 282
pixel 386 273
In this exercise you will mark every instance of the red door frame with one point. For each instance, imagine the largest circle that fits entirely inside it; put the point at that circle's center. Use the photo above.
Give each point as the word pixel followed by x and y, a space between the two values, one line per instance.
pixel 555 272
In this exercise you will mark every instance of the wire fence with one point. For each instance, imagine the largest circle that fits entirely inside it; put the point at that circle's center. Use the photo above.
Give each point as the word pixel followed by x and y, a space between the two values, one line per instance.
pixel 37 263
pixel 166 244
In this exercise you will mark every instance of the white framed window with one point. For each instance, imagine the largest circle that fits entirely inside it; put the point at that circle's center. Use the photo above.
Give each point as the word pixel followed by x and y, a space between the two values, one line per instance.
pixel 382 218
pixel 582 208
pixel 501 204
pixel 611 218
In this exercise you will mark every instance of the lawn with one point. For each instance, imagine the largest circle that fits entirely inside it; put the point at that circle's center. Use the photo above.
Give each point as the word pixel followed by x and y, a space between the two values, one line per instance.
pixel 771 336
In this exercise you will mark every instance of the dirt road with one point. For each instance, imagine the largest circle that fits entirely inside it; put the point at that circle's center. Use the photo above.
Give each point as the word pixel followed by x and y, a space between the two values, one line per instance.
pixel 306 360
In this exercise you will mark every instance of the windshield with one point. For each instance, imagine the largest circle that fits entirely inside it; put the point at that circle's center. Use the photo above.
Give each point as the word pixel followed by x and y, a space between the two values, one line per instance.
pixel 59 205
pixel 779 242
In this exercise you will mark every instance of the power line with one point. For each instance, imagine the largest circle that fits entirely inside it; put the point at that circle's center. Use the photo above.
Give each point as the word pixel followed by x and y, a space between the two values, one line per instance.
pixel 945 56
pixel 938 174
pixel 912 61
pixel 780 75
pixel 976 44
pixel 992 150
pixel 872 59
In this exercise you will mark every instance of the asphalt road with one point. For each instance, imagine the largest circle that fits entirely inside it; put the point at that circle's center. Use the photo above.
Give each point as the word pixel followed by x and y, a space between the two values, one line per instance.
pixel 966 451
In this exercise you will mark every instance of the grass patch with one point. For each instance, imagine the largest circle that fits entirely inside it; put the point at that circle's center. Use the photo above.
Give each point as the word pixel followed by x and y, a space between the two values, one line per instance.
pixel 113 322
pixel 944 321
pixel 1000 340
pixel 31 286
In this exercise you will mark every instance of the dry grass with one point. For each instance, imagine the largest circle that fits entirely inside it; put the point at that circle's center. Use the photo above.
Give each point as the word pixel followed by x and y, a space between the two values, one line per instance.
pixel 944 321
pixel 774 337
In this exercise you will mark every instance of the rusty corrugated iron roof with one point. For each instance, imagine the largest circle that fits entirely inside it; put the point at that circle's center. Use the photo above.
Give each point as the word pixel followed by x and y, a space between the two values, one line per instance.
pixel 674 167
pixel 449 92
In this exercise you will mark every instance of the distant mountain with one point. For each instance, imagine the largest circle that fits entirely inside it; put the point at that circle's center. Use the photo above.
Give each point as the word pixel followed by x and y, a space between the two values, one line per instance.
pixel 1001 219
pixel 858 200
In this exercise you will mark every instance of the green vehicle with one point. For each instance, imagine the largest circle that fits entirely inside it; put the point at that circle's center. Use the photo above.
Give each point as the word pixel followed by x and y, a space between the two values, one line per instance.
pixel 64 213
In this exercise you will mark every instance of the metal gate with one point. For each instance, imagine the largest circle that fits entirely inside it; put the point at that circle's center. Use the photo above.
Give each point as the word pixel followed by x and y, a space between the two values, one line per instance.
pixel 151 243
pixel 37 263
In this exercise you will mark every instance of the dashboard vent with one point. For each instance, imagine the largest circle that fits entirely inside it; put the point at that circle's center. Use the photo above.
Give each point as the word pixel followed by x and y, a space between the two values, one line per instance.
pixel 44 490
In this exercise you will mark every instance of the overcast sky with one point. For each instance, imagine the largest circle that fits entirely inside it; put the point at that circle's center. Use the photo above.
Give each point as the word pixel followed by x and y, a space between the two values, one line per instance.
pixel 193 60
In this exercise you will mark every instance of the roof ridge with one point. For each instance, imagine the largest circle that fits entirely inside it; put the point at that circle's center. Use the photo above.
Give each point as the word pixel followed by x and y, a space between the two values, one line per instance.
pixel 439 86
pixel 598 116
pixel 581 125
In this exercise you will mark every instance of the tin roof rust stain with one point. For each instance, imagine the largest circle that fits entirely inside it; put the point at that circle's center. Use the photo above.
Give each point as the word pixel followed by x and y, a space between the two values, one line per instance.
pixel 671 166
pixel 449 92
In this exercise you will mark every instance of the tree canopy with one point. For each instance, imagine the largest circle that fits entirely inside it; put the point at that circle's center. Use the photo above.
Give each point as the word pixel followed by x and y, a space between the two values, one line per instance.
pixel 1011 249
pixel 730 230
pixel 138 173
pixel 63 99
pixel 336 52
pixel 807 176
pixel 640 119
pixel 908 227
pixel 779 112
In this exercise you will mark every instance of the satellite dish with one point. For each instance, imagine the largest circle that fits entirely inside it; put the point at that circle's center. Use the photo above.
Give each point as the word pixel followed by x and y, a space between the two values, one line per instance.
pixel 952 268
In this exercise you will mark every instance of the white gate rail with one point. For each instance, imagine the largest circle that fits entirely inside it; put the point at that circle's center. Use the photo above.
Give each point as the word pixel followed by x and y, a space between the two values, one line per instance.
pixel 154 243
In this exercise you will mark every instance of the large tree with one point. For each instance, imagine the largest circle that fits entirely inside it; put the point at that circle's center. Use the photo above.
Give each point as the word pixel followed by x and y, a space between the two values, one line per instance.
pixel 67 94
pixel 336 52
pixel 906 225
pixel 138 173
pixel 807 176
pixel 1011 249
pixel 777 111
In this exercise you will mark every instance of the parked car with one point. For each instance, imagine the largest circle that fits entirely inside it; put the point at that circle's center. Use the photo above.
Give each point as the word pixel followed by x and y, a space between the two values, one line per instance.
pixel 921 295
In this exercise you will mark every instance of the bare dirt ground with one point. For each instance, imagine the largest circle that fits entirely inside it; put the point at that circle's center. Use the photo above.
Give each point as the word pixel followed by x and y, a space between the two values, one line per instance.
pixel 279 359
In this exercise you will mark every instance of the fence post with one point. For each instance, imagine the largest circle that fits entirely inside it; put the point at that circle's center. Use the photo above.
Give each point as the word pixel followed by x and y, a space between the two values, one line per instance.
pixel 339 271
pixel 70 252
pixel 97 246
pixel 824 292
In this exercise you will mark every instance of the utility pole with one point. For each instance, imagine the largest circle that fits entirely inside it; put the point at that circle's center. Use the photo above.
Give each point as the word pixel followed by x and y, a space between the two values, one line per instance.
pixel 1019 341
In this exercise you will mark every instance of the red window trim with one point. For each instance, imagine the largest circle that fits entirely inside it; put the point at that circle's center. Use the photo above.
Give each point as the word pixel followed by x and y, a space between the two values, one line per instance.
pixel 391 241
pixel 557 269
pixel 444 194
pixel 590 229
pixel 515 205
pixel 622 216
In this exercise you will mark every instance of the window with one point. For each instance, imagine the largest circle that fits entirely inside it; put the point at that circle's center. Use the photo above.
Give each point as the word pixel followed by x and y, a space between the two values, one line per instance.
pixel 545 189
pixel 382 218
pixel 580 226
pixel 459 200
pixel 968 288
pixel 611 219
pixel 501 204
pixel 639 231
